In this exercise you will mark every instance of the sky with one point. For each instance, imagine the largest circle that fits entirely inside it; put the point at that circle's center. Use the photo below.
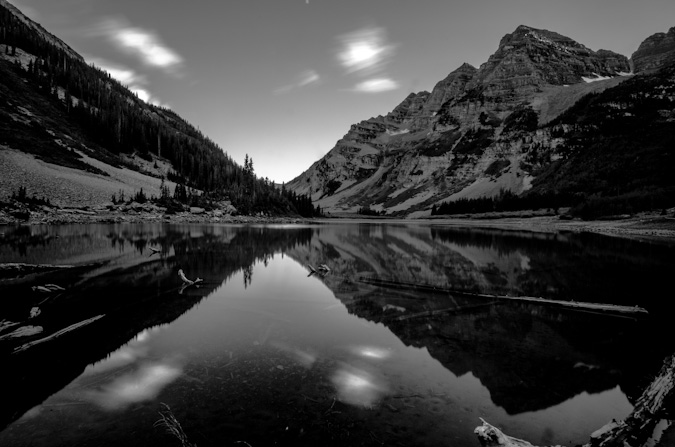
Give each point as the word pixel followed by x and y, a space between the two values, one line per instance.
pixel 282 80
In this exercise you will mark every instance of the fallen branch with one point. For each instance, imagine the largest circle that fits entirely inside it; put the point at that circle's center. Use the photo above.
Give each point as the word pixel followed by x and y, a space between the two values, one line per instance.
pixel 322 271
pixel 15 269
pixel 187 281
pixel 24 331
pixel 72 327
pixel 6 324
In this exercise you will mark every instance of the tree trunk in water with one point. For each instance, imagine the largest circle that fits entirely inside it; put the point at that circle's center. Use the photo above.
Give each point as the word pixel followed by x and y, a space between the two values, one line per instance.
pixel 634 431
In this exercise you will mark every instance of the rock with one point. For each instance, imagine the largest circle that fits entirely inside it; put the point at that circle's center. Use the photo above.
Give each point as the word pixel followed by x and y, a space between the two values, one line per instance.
pixel 21 214
pixel 450 87
pixel 655 52
pixel 530 58
pixel 197 210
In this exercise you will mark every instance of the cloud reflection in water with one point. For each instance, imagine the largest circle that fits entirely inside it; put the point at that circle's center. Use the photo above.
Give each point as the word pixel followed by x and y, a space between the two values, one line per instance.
pixel 305 358
pixel 372 352
pixel 140 385
pixel 358 387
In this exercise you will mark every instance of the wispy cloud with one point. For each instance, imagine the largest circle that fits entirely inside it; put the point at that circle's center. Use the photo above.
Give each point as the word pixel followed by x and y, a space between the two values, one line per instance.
pixel 365 53
pixel 144 44
pixel 377 85
pixel 365 50
pixel 306 78
pixel 133 80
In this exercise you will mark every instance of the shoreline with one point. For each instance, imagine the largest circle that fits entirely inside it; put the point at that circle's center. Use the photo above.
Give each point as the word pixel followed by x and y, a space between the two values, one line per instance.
pixel 648 226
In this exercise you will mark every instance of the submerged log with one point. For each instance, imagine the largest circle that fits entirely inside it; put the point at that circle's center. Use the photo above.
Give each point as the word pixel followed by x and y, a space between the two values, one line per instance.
pixel 639 425
pixel 633 431
pixel 16 269
pixel 573 305
pixel 57 334
pixel 24 331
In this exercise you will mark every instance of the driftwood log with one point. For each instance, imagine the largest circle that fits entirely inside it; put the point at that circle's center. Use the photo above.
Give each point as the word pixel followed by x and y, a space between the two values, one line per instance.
pixel 24 331
pixel 16 269
pixel 57 334
pixel 633 431
pixel 609 309
pixel 187 281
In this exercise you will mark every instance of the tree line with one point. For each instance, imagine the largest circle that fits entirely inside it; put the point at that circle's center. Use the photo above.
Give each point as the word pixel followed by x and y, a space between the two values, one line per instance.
pixel 116 120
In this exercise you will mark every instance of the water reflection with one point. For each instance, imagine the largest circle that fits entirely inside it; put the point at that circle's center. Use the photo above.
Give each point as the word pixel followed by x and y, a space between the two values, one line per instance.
pixel 143 384
pixel 263 353
pixel 358 387
pixel 372 352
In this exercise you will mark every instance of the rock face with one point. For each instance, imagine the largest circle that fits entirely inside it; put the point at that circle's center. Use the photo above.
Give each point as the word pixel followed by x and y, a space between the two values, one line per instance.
pixel 458 140
pixel 530 58
pixel 655 52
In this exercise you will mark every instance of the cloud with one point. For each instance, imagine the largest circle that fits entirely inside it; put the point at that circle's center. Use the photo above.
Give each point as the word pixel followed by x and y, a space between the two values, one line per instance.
pixel 306 78
pixel 142 94
pixel 365 50
pixel 378 85
pixel 126 76
pixel 144 44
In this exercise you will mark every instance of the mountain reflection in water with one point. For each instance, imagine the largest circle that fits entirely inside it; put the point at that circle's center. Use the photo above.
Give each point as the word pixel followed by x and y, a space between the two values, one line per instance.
pixel 262 353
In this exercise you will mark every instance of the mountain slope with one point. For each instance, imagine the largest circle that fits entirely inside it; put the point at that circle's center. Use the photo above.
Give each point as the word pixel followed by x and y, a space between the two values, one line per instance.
pixel 64 112
pixel 655 52
pixel 479 132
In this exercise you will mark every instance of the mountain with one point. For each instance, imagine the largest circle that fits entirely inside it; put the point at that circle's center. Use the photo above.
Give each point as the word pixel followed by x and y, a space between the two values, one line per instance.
pixel 482 131
pixel 75 135
pixel 655 52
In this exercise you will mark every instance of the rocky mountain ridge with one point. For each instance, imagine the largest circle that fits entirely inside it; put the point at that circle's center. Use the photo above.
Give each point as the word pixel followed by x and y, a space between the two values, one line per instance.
pixel 474 134
pixel 655 52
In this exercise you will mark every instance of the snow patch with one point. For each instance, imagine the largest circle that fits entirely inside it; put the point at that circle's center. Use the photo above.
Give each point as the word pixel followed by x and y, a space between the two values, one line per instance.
pixel 543 39
pixel 21 56
pixel 596 78
pixel 397 132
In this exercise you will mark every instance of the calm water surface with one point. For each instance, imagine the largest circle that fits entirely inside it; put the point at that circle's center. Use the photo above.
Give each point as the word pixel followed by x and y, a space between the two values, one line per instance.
pixel 266 353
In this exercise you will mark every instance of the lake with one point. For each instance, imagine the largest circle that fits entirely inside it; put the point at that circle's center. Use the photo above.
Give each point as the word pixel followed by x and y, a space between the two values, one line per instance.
pixel 386 347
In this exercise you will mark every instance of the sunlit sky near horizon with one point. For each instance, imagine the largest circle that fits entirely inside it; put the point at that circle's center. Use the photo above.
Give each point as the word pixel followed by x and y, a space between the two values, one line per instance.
pixel 283 80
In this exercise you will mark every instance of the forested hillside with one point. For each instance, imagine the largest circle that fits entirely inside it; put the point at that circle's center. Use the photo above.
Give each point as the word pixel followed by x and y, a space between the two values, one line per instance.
pixel 101 118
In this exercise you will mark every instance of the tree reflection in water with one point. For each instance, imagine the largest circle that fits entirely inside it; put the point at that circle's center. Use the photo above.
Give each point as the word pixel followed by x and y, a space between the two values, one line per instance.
pixel 287 357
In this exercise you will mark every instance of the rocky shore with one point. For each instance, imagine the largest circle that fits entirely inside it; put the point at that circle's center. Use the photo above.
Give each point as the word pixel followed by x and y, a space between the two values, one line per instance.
pixel 647 226
pixel 129 213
